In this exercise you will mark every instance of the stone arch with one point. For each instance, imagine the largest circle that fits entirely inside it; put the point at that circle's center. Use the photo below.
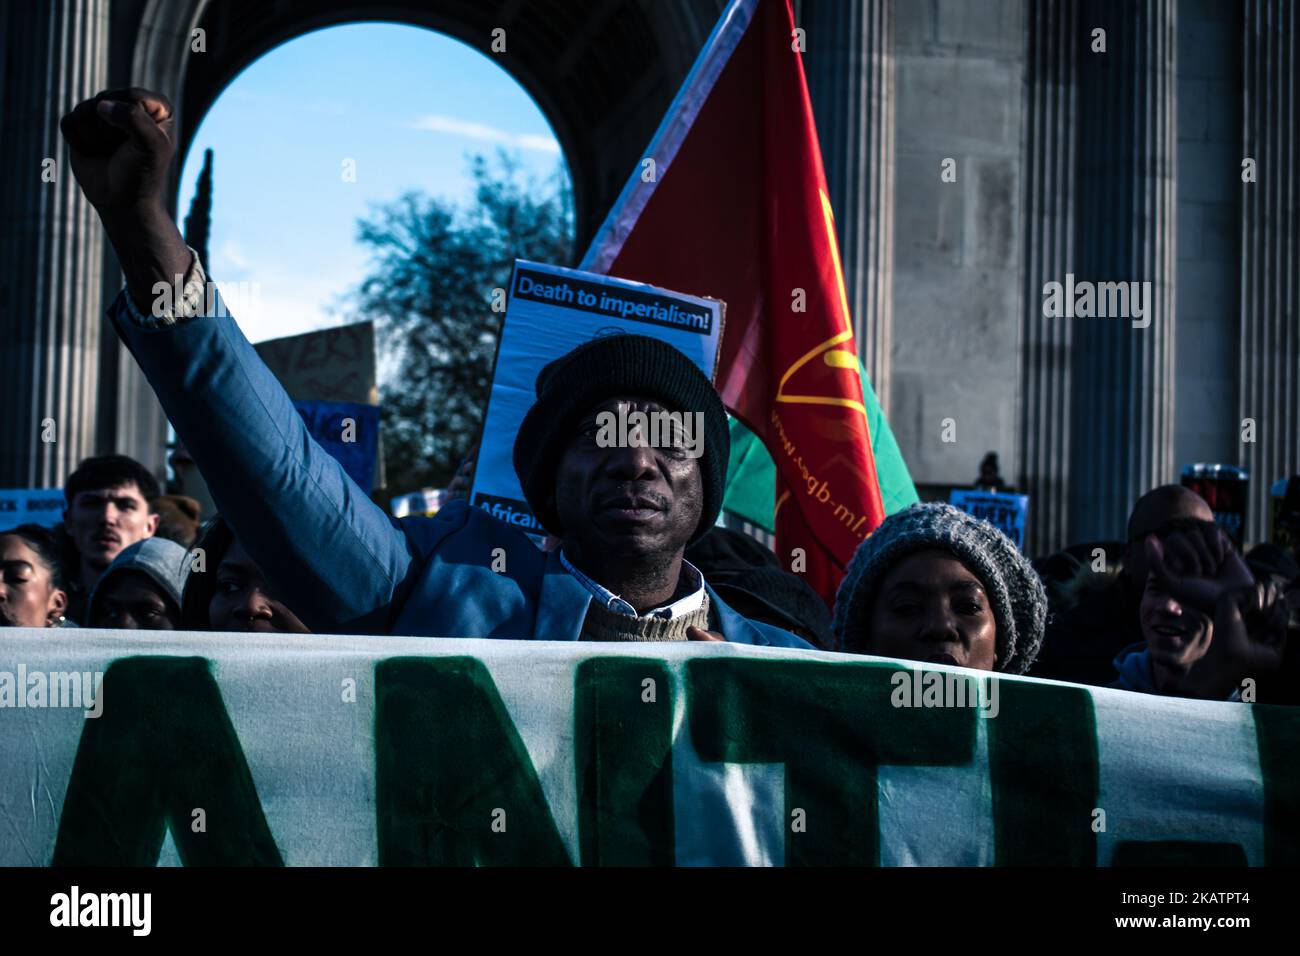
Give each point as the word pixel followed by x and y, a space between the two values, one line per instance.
pixel 602 76
pixel 602 71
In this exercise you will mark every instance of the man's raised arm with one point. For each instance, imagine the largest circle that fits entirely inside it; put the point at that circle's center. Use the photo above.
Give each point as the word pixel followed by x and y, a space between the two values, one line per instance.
pixel 334 554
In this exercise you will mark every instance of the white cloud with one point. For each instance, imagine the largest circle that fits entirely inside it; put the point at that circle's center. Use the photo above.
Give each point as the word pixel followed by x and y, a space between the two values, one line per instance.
pixel 276 304
pixel 231 254
pixel 470 130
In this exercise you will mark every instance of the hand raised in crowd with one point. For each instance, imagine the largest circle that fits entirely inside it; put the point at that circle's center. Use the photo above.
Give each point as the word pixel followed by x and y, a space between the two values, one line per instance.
pixel 121 143
pixel 1200 568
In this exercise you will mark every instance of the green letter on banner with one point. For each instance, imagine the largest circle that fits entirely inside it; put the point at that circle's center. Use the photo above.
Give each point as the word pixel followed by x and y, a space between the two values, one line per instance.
pixel 1277 730
pixel 163 748
pixel 1043 764
pixel 831 725
pixel 455 785
pixel 623 742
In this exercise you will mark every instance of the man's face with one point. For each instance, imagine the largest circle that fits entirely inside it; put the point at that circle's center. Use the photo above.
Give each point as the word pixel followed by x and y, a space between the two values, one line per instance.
pixel 1154 513
pixel 1177 636
pixel 134 601
pixel 28 597
pixel 931 608
pixel 626 499
pixel 104 521
pixel 242 601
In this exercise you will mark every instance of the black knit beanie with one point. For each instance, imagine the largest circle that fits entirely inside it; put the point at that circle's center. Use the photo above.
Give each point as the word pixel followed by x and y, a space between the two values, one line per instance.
pixel 597 371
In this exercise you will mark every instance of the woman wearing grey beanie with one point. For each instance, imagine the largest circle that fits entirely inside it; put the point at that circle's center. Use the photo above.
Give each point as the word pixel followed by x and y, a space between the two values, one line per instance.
pixel 934 584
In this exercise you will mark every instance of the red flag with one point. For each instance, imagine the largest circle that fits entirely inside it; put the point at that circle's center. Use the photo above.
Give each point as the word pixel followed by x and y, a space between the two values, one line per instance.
pixel 730 201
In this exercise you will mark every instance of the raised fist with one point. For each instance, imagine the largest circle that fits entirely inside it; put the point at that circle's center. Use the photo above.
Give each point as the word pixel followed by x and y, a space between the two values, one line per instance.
pixel 1198 565
pixel 1200 568
pixel 121 143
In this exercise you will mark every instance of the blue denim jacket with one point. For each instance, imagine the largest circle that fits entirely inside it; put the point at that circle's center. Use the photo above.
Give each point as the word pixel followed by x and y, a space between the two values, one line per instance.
pixel 338 559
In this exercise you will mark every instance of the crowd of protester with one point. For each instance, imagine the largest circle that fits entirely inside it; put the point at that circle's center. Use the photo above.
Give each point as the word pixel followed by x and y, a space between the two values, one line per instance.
pixel 1174 610
pixel 633 552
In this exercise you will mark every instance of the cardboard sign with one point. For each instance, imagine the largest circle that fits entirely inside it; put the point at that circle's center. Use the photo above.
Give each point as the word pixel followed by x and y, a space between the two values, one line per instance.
pixel 334 365
pixel 1005 512
pixel 43 506
pixel 332 368
pixel 551 311
pixel 231 749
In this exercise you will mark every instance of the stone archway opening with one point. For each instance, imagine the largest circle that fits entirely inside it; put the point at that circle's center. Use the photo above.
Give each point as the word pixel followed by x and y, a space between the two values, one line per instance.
pixel 331 131
pixel 602 78
pixel 603 73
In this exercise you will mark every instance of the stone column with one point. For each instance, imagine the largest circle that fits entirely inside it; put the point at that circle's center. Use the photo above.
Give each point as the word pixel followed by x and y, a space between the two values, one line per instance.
pixel 1121 431
pixel 51 243
pixel 1270 251
pixel 850 68
pixel 1050 144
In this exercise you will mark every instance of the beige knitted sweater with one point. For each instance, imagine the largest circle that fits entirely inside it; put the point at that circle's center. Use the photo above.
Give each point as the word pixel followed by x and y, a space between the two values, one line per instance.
pixel 602 624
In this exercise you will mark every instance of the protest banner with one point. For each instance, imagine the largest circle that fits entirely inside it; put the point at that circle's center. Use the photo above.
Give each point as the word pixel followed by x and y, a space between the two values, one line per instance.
pixel 549 312
pixel 43 506
pixel 1006 512
pixel 303 750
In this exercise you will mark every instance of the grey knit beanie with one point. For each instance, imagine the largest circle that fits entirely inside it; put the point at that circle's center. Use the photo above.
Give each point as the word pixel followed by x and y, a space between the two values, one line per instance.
pixel 1017 595
pixel 162 561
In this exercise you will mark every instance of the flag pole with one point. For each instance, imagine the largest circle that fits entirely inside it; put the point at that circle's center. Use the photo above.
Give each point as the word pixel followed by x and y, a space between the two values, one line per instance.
pixel 692 94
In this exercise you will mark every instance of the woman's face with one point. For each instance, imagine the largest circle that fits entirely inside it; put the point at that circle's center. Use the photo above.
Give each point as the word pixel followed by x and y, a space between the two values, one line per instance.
pixel 28 597
pixel 1177 636
pixel 241 601
pixel 930 608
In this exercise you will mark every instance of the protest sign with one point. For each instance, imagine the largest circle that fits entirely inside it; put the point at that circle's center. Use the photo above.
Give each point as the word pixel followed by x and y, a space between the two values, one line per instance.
pixel 323 750
pixel 549 312
pixel 1226 489
pixel 330 375
pixel 43 506
pixel 1005 512
pixel 349 432
pixel 336 365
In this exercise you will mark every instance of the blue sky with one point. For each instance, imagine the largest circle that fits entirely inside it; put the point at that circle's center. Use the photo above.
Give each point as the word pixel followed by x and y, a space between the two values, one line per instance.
pixel 407 105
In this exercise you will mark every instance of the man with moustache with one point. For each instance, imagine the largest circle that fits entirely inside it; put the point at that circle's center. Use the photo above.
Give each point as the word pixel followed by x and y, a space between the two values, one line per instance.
pixel 107 511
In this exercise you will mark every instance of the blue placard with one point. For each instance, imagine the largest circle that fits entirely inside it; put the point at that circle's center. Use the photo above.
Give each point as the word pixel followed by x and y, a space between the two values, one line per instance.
pixel 1005 512
pixel 348 431
pixel 43 506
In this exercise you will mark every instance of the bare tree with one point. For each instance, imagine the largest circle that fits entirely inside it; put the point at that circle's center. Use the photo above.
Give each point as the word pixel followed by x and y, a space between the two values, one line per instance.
pixel 435 265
